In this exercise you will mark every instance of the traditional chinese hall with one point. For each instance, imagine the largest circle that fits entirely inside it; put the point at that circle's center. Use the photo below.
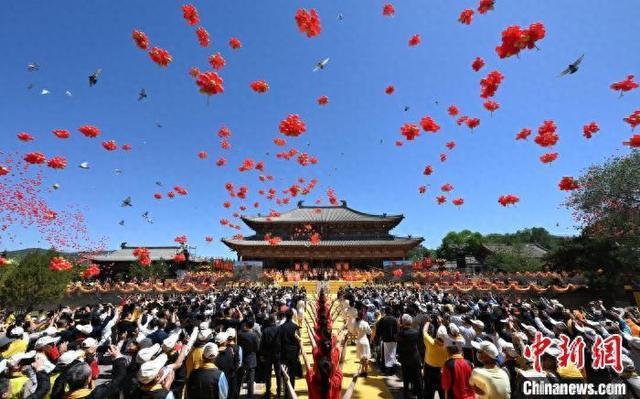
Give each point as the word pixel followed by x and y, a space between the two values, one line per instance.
pixel 349 239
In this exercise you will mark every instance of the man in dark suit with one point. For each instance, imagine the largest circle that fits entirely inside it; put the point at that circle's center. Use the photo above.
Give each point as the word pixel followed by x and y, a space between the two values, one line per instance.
pixel 250 344
pixel 290 349
pixel 386 331
pixel 270 355
pixel 409 357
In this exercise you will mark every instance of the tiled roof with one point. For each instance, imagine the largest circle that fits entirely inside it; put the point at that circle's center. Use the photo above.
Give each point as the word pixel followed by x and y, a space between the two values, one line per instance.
pixel 126 254
pixel 396 241
pixel 530 250
pixel 316 214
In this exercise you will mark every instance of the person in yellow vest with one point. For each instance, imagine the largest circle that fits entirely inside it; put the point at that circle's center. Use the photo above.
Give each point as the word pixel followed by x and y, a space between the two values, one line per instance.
pixel 19 343
pixel 17 379
pixel 435 356
pixel 5 386
pixel 194 359
pixel 79 379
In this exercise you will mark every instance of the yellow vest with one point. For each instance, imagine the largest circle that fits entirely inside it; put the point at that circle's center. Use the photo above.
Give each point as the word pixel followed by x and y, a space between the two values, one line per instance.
pixel 194 360
pixel 16 386
pixel 436 354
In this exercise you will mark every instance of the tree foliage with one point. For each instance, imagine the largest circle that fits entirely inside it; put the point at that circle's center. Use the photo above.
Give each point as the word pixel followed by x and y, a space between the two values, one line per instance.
pixel 31 283
pixel 607 205
pixel 534 235
pixel 419 253
pixel 514 260
pixel 457 244
pixel 154 271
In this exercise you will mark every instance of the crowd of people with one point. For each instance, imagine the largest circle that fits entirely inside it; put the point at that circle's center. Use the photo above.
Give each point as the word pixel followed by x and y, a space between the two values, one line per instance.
pixel 471 345
pixel 220 344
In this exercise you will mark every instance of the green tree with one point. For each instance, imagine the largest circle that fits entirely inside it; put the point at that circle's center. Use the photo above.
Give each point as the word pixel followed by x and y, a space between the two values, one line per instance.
pixel 607 205
pixel 30 283
pixel 533 235
pixel 591 255
pixel 513 260
pixel 153 271
pixel 419 253
pixel 455 245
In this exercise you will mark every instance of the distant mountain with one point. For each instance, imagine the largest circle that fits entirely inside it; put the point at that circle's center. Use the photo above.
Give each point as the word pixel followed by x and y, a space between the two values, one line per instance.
pixel 19 254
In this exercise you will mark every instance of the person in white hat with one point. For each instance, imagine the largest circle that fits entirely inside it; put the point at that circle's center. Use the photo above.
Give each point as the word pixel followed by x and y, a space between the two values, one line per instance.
pixel 18 345
pixel 90 347
pixel 489 381
pixel 208 382
pixel 154 379
pixel 78 379
pixel 194 359
pixel 228 361
pixel 14 365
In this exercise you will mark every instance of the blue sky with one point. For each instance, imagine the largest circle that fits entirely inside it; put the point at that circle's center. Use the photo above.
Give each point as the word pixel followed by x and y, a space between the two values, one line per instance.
pixel 70 39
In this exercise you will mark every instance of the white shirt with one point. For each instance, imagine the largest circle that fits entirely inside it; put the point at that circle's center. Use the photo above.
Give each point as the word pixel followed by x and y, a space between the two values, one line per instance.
pixel 494 382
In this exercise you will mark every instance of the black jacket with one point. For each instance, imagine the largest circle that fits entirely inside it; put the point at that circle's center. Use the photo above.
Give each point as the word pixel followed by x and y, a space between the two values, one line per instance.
pixel 408 353
pixel 270 344
pixel 387 328
pixel 250 344
pixel 203 384
pixel 289 345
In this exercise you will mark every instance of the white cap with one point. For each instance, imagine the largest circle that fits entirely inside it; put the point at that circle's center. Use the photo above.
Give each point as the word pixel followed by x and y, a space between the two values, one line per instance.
pixel 453 329
pixel 477 323
pixel 146 354
pixel 553 351
pixel 68 357
pixel 210 351
pixel 15 359
pixel 221 338
pixel 487 347
pixel 3 365
pixel 530 329
pixel 51 330
pixel 170 341
pixel 509 349
pixel 442 333
pixel 89 343
pixel 205 334
pixel 150 369
pixel 86 329
pixel 17 330
pixel 627 364
pixel 231 332
pixel 46 340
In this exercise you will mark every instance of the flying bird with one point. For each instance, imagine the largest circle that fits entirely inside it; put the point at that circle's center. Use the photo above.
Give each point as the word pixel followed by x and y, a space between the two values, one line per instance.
pixel 31 86
pixel 68 93
pixel 340 17
pixel 84 165
pixel 158 124
pixel 93 78
pixel 118 172
pixel 320 65
pixel 121 223
pixel 126 202
pixel 55 186
pixel 32 67
pixel 572 68
pixel 44 92
pixel 142 95
pixel 159 184
pixel 406 108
